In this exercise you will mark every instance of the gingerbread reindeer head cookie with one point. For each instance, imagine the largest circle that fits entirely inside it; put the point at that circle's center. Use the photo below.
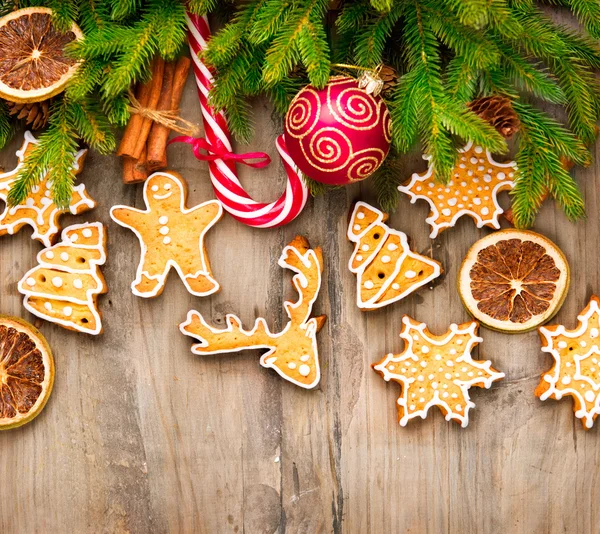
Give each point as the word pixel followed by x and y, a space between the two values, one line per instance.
pixel 171 236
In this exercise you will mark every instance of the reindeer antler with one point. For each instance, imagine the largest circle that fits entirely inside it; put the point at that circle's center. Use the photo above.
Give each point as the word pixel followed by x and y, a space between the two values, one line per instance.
pixel 293 351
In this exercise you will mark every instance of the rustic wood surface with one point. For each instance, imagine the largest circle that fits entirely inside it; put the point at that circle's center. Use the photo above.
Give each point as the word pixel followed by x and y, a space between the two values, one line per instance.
pixel 142 436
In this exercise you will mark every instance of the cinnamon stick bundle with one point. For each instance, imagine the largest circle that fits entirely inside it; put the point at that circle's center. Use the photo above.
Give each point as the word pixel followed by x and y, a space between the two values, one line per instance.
pixel 172 91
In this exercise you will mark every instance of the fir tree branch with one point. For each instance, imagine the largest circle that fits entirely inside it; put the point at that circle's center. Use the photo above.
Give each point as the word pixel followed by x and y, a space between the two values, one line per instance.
pixel 588 12
pixel 6 127
pixel 64 13
pixel 385 181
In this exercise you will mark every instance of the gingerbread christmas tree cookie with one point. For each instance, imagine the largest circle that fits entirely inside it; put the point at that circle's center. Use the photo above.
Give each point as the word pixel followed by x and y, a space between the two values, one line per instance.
pixel 39 210
pixel 64 287
pixel 292 352
pixel 385 267
pixel 171 236
pixel 473 189
pixel 437 371
pixel 576 370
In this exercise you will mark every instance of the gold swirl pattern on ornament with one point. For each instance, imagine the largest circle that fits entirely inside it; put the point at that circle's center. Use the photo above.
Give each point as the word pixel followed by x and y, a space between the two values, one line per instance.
pixel 300 113
pixel 387 126
pixel 362 113
pixel 324 148
pixel 366 165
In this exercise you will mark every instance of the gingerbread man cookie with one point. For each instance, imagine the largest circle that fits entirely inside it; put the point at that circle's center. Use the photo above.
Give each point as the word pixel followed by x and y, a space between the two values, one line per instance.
pixel 170 236
pixel 39 210
pixel 292 352
pixel 473 189
pixel 437 371
pixel 64 287
pixel 576 370
pixel 386 269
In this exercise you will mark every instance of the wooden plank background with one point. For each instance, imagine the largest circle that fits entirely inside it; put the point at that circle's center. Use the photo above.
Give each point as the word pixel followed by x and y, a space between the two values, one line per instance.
pixel 141 436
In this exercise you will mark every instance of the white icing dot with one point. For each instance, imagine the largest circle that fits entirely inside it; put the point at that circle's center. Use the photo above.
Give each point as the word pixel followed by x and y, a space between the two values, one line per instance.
pixel 64 256
pixel 385 259
pixel 167 240
pixel 48 306
pixel 86 232
pixel 68 311
pixel 167 187
pixel 291 365
pixel 448 376
pixel 410 274
pixel 360 215
pixel 164 230
pixel 445 394
pixel 422 399
pixel 424 349
pixel 487 178
pixel 452 202
pixel 304 357
pixel 412 406
pixel 421 378
pixel 74 238
pixel 478 149
pixel 57 281
pixel 474 161
pixel 583 343
pixel 365 247
pixel 392 246
pixel 395 286
pixel 424 363
pixel 446 212
pixel 77 283
pixel 450 363
pixel 458 408
pixel 304 370
pixel 50 255
pixel 589 396
pixel 477 201
pixel 163 219
pixel 357 227
pixel 594 333
pixel 566 380
pixel 30 281
pixel 454 395
pixel 484 211
pixel 154 188
pixel 368 284
pixel 359 258
pixel 562 344
pixel 500 176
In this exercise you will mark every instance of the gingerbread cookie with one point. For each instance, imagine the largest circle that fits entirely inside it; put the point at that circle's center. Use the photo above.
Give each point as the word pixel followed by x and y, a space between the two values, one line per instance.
pixel 473 189
pixel 39 210
pixel 64 287
pixel 293 351
pixel 576 370
pixel 437 371
pixel 386 269
pixel 170 236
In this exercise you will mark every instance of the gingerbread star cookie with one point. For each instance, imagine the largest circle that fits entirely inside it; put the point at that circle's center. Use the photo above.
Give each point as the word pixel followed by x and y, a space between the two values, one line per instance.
pixel 38 210
pixel 437 371
pixel 171 236
pixel 473 189
pixel 385 267
pixel 576 370
pixel 64 287
pixel 293 352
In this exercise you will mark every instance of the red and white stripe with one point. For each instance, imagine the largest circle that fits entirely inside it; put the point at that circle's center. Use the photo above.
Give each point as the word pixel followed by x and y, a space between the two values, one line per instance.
pixel 223 174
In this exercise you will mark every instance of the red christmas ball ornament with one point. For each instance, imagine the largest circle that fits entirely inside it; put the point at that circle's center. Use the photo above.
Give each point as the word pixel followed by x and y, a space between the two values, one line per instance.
pixel 339 134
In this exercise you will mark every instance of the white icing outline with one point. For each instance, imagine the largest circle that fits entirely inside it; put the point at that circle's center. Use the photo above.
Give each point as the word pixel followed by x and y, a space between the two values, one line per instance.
pixel 408 354
pixel 65 241
pixel 162 278
pixel 46 239
pixel 552 378
pixel 372 303
pixel 431 220
pixel 300 281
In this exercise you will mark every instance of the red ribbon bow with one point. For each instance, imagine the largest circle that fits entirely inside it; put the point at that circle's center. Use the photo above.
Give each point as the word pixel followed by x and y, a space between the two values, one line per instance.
pixel 203 150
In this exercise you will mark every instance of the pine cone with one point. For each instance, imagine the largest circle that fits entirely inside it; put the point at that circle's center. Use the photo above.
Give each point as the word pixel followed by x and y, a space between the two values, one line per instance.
pixel 389 77
pixel 498 111
pixel 34 114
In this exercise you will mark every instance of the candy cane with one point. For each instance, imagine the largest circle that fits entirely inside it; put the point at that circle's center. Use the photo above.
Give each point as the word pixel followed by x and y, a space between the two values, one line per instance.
pixel 223 174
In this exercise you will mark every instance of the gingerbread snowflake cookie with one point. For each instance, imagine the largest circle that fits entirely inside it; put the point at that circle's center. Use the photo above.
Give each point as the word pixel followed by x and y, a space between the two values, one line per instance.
pixel 171 236
pixel 437 371
pixel 473 189
pixel 64 287
pixel 385 267
pixel 293 352
pixel 38 210
pixel 576 370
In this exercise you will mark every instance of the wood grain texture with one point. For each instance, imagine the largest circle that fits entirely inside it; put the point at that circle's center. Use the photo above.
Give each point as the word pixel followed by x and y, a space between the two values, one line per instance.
pixel 142 436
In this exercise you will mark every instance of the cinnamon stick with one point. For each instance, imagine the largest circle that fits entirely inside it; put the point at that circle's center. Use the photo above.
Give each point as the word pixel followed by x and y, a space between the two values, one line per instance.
pixel 159 134
pixel 135 170
pixel 157 156
pixel 135 136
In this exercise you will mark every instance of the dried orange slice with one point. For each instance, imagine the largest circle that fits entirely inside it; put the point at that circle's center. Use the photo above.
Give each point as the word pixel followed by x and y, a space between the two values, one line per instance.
pixel 513 280
pixel 26 372
pixel 33 63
